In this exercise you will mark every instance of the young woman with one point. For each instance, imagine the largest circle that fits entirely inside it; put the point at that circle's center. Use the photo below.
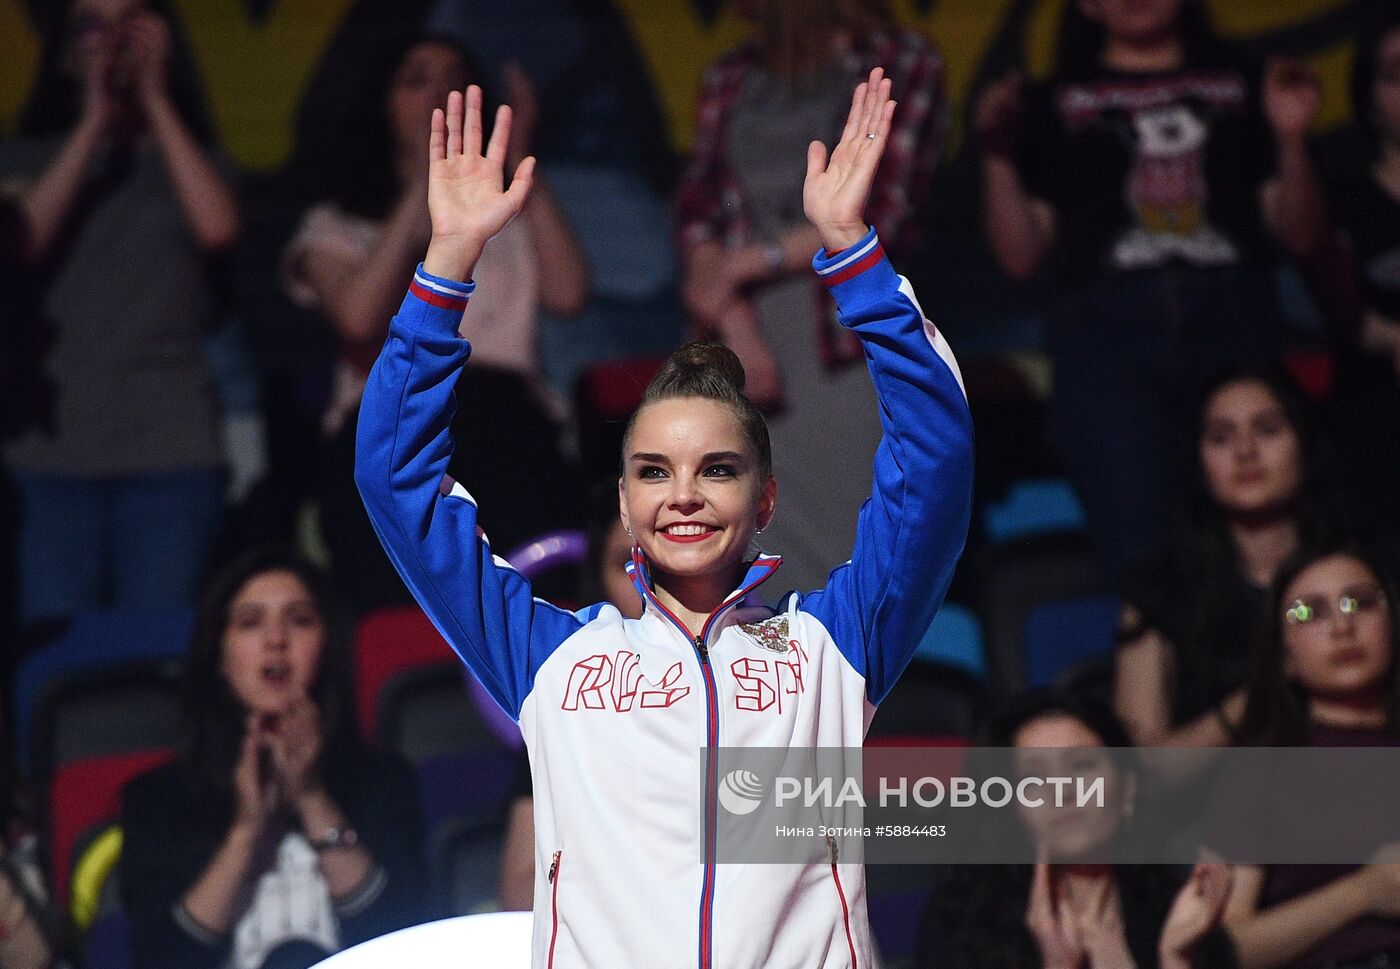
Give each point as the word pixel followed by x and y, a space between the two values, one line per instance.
pixel 1325 677
pixel 745 245
pixel 1154 172
pixel 274 839
pixel 121 203
pixel 1258 483
pixel 348 261
pixel 617 712
pixel 1071 909
pixel 1366 207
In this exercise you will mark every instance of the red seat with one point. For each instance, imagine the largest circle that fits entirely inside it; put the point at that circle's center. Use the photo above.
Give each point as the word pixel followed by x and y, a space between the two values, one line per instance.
pixel 84 793
pixel 388 642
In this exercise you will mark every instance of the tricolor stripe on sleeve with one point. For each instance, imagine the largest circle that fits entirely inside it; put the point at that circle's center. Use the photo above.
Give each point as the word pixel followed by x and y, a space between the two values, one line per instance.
pixel 439 292
pixel 854 262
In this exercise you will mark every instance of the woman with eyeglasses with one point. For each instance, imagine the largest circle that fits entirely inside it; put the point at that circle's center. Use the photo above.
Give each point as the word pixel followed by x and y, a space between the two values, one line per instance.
pixel 1325 676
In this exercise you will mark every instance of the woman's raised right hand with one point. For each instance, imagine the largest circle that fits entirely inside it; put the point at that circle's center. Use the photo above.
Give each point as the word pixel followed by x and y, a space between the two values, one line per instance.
pixel 998 113
pixel 256 794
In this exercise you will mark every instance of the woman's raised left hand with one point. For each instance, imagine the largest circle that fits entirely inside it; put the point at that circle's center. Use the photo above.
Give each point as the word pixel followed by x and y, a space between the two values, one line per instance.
pixel 836 189
pixel 296 744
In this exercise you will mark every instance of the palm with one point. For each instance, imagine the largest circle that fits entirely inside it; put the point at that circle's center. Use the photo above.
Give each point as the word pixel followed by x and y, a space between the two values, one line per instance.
pixel 836 190
pixel 467 197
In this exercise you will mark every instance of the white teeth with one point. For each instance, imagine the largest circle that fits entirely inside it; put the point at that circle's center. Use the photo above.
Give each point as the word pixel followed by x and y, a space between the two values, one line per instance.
pixel 686 529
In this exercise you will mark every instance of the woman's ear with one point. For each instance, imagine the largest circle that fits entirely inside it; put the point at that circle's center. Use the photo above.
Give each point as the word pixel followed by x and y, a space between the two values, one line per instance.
pixel 622 504
pixel 767 502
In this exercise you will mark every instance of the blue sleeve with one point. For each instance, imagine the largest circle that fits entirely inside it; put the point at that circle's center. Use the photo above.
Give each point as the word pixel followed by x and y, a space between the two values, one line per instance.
pixel 426 521
pixel 912 528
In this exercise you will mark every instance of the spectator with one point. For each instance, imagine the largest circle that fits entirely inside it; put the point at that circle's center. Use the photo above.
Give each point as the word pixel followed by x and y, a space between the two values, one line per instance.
pixel 1071 907
pixel 1256 485
pixel 1155 172
pixel 746 247
pixel 274 839
pixel 26 922
pixel 1366 207
pixel 121 205
pixel 1325 676
pixel 349 260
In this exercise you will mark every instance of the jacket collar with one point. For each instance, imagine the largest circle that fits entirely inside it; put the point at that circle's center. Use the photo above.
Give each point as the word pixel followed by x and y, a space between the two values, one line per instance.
pixel 744 595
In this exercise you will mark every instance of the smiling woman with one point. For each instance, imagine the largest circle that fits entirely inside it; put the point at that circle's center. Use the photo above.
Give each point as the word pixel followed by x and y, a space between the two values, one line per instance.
pixel 615 710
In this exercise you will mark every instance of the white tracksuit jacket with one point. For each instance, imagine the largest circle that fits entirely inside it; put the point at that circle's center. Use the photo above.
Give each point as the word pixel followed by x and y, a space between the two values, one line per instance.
pixel 617 713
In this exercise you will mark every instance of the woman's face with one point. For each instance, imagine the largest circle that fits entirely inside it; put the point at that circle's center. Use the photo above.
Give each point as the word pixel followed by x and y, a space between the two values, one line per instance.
pixel 1059 745
pixel 1249 452
pixel 425 75
pixel 1386 92
pixel 1134 21
pixel 692 492
pixel 272 642
pixel 612 567
pixel 1336 630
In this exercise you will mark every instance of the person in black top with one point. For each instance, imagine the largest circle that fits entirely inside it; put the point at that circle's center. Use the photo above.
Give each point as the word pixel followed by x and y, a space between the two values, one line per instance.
pixel 1257 483
pixel 1324 676
pixel 1366 208
pixel 1071 909
pixel 1155 172
pixel 275 838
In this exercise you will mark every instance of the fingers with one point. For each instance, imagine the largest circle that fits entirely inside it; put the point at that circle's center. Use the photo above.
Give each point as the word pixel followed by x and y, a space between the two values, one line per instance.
pixel 853 117
pixel 816 159
pixel 519 190
pixel 454 124
pixel 437 136
pixel 471 137
pixel 500 136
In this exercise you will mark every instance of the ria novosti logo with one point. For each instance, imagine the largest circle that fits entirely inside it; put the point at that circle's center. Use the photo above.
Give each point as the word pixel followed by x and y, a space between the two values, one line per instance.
pixel 741 792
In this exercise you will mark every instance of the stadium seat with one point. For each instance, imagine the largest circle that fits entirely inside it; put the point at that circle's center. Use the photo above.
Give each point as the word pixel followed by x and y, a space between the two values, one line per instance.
pixel 955 639
pixel 1012 579
pixel 85 796
pixel 388 642
pixel 1066 636
pixel 1033 507
pixel 109 684
pixel 930 700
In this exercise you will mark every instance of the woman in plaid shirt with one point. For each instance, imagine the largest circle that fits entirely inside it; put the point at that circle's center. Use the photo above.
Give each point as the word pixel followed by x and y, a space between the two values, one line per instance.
pixel 746 245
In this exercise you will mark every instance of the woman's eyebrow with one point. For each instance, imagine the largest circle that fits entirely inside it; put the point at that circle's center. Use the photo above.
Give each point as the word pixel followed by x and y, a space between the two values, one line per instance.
pixel 713 456
pixel 650 458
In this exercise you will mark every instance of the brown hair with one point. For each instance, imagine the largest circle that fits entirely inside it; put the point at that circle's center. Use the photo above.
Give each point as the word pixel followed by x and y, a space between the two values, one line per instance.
pixel 709 371
pixel 794 36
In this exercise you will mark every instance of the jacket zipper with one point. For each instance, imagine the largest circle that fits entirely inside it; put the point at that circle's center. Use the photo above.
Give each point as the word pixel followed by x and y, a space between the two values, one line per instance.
pixel 554 904
pixel 702 652
pixel 845 910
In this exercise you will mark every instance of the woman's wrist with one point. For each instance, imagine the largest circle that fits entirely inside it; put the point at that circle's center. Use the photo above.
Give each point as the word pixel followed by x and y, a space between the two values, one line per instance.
pixel 453 257
pixel 836 237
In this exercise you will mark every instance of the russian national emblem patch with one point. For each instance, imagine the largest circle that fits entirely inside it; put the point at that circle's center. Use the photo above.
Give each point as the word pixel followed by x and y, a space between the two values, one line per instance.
pixel 771 634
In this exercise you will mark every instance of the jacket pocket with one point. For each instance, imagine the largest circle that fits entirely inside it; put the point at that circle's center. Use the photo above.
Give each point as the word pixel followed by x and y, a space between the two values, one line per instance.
pixel 841 894
pixel 554 904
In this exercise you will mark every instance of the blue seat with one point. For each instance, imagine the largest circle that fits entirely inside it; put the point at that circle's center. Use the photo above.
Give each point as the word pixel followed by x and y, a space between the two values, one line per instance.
pixel 136 647
pixel 955 639
pixel 1065 636
pixel 1035 506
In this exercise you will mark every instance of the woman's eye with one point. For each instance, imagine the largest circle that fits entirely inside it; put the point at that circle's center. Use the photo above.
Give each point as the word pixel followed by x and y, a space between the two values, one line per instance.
pixel 304 619
pixel 651 471
pixel 721 471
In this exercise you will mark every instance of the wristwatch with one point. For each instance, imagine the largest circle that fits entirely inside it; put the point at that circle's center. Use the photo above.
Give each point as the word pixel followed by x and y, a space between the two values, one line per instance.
pixel 336 837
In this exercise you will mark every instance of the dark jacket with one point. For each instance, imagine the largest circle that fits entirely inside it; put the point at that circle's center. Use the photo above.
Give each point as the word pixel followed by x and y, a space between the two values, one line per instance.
pixel 170 838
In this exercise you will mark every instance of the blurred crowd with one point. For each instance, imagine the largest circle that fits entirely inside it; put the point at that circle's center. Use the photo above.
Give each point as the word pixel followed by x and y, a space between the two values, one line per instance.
pixel 1208 433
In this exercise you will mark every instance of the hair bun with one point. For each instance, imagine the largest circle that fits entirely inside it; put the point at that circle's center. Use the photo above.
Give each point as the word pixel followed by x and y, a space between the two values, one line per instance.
pixel 706 362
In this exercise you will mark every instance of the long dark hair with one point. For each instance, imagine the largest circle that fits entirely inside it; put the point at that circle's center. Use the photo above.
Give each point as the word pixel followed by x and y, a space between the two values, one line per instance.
pixel 1374 31
pixel 1202 583
pixel 1082 41
pixel 214 715
pixel 979 916
pixel 360 170
pixel 1276 708
pixel 56 100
